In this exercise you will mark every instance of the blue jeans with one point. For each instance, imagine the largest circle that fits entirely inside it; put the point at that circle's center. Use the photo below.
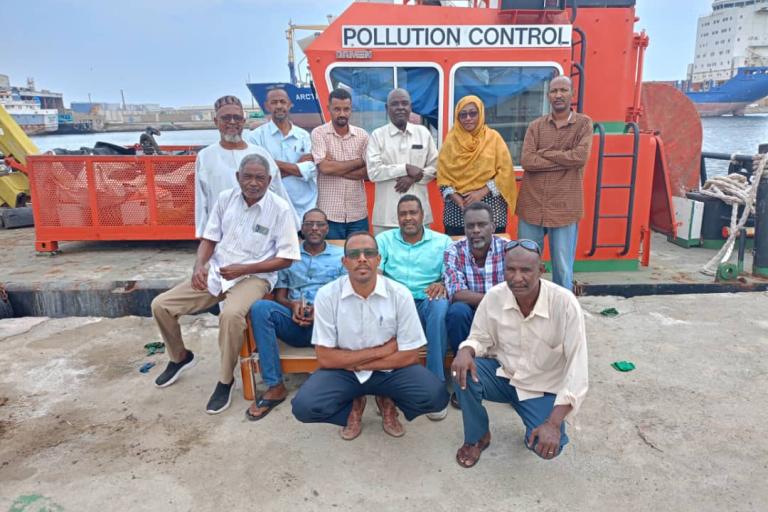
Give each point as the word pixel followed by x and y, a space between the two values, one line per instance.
pixel 533 411
pixel 341 230
pixel 562 248
pixel 326 397
pixel 270 321
pixel 458 322
pixel 432 315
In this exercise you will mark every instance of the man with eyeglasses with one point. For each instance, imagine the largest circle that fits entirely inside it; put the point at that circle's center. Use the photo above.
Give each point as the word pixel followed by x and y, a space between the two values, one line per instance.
pixel 249 237
pixel 291 148
pixel 217 164
pixel 528 348
pixel 413 256
pixel 555 150
pixel 367 336
pixel 290 316
pixel 401 160
pixel 339 152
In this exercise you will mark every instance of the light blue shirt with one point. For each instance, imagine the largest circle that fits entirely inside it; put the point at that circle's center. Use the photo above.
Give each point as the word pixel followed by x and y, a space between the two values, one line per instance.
pixel 306 276
pixel 414 265
pixel 289 148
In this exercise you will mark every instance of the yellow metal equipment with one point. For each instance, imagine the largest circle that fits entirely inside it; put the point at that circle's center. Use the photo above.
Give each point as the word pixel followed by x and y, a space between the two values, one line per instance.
pixel 16 146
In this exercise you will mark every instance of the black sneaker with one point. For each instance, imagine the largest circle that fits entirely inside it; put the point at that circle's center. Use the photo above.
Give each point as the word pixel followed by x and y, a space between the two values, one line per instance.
pixel 221 398
pixel 173 371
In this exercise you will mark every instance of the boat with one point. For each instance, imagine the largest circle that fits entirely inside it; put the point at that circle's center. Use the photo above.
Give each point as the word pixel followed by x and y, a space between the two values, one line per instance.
pixel 28 114
pixel 305 111
pixel 730 67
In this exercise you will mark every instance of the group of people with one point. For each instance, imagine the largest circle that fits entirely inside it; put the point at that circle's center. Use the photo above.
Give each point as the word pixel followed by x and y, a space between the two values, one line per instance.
pixel 266 204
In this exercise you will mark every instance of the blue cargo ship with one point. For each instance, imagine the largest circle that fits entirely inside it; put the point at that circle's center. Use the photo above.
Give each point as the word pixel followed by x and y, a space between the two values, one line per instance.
pixel 305 111
pixel 748 85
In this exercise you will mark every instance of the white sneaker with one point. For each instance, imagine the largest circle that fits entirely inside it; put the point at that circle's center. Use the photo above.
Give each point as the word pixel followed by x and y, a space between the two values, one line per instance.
pixel 437 416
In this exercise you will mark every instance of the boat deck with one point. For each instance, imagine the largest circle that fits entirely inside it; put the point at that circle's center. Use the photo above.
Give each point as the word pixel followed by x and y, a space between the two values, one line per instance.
pixel 115 279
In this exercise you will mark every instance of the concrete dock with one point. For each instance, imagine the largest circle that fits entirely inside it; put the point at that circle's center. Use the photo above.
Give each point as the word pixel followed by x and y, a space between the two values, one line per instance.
pixel 114 279
pixel 82 430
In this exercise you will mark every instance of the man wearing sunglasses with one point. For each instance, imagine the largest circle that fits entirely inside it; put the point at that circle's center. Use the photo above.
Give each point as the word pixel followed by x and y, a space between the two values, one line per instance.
pixel 217 164
pixel 527 348
pixel 367 335
pixel 290 316
pixel 555 150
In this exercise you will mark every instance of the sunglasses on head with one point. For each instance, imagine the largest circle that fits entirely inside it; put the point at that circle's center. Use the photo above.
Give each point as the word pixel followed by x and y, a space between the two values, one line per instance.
pixel 368 253
pixel 529 245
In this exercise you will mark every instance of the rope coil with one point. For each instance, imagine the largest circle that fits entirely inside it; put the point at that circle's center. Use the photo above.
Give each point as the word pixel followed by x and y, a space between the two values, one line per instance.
pixel 736 191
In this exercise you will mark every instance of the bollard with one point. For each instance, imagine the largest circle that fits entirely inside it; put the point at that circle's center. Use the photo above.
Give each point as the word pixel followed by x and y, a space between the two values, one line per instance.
pixel 760 255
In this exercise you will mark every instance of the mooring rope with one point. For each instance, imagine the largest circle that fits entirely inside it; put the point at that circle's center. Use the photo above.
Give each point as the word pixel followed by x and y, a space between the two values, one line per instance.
pixel 735 190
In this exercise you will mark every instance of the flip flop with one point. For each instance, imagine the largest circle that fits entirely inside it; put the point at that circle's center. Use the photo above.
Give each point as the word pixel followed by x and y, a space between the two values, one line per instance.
pixel 263 402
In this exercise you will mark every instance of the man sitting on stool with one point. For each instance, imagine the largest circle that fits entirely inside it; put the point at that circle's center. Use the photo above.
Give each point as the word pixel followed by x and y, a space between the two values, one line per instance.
pixel 527 348
pixel 250 235
pixel 367 335
pixel 290 315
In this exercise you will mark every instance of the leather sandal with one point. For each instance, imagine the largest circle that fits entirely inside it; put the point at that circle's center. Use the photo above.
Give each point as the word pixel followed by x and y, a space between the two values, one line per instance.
pixel 468 455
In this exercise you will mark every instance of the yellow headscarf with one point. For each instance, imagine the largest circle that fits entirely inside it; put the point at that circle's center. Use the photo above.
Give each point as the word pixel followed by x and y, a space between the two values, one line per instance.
pixel 468 160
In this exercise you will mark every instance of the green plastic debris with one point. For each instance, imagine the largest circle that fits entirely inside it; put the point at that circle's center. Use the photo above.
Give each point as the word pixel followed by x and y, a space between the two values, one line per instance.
pixel 156 347
pixel 623 366
pixel 610 312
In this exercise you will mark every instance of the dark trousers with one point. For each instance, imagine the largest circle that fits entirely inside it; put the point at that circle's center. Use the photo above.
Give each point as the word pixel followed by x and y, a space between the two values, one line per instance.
pixel 326 397
pixel 458 322
pixel 341 230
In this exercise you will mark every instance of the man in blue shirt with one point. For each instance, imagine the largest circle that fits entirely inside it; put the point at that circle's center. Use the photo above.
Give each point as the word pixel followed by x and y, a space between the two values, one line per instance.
pixel 291 147
pixel 290 316
pixel 413 256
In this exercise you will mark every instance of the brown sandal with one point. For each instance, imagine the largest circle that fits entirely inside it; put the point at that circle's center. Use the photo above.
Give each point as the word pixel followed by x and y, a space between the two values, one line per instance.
pixel 468 455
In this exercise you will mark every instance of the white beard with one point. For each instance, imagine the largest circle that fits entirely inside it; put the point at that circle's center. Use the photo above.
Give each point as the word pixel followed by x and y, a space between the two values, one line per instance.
pixel 232 138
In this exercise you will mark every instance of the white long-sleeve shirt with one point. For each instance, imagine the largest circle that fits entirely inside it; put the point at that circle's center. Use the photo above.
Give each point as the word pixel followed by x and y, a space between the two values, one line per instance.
pixel 215 169
pixel 545 352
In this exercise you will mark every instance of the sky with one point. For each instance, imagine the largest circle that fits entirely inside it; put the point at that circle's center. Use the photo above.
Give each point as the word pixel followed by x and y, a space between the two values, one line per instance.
pixel 189 52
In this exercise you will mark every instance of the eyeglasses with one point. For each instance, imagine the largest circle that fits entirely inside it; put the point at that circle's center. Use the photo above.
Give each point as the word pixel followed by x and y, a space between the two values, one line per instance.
pixel 314 224
pixel 469 115
pixel 232 118
pixel 529 245
pixel 354 254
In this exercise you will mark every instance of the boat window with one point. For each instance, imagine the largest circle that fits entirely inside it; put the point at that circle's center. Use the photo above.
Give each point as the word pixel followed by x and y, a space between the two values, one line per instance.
pixel 513 97
pixel 370 86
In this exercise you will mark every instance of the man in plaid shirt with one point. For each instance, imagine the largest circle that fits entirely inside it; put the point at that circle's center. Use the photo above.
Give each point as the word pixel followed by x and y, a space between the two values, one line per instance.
pixel 472 266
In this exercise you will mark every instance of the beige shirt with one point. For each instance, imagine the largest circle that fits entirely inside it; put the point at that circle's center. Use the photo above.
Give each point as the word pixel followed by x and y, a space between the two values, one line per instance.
pixel 389 149
pixel 543 353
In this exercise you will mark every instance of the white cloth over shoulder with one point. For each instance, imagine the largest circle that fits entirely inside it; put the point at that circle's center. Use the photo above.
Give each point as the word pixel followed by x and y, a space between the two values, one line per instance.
pixel 215 169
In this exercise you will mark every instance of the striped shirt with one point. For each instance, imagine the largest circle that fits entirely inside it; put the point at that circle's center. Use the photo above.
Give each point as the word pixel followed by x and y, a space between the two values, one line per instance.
pixel 249 234
pixel 463 273
pixel 552 193
pixel 341 199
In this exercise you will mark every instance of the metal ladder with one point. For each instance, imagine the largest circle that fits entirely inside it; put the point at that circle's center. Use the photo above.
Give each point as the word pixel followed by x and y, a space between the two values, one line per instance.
pixel 578 68
pixel 601 156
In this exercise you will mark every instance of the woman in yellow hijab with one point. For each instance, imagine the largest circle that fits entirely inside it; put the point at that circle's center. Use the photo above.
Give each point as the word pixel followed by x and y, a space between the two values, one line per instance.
pixel 474 165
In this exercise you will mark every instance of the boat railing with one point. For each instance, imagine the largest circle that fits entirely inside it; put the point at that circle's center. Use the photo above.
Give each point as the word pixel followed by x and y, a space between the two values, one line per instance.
pixel 600 186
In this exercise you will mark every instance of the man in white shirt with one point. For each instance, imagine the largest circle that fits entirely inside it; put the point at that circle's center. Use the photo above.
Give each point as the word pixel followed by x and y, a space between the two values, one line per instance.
pixel 216 164
pixel 291 147
pixel 401 159
pixel 367 335
pixel 249 237
pixel 528 348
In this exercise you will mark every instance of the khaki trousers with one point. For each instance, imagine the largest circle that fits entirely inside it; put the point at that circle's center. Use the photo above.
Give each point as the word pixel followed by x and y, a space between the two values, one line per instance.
pixel 185 300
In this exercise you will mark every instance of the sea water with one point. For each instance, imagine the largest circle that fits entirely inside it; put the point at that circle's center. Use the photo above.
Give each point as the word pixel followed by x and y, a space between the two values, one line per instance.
pixel 721 135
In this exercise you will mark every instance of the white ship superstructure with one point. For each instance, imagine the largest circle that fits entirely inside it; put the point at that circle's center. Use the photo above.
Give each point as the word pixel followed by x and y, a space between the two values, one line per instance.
pixel 734 35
